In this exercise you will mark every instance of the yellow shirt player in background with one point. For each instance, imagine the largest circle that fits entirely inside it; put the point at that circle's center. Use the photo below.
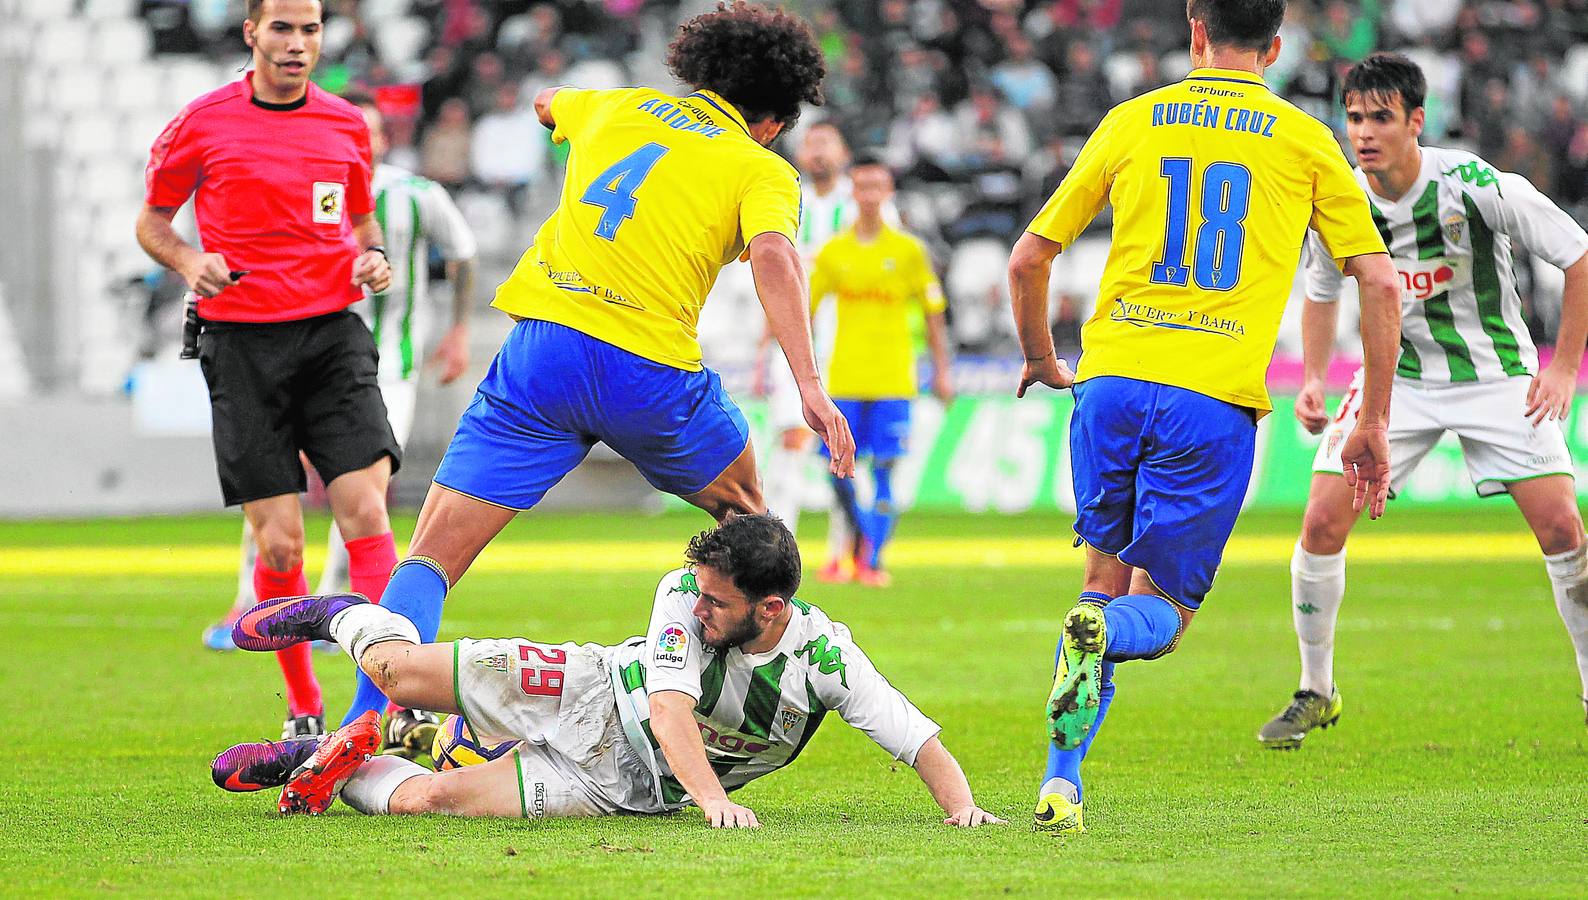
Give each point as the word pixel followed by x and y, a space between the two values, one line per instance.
pixel 660 193
pixel 1214 182
pixel 878 275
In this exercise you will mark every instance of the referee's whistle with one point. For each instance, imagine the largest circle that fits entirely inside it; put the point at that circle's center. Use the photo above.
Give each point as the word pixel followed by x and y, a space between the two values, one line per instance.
pixel 238 273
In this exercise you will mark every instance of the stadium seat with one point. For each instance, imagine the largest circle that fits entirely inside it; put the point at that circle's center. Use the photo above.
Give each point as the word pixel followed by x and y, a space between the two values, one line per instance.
pixel 400 41
pixel 138 131
pixel 90 134
pixel 120 41
pixel 376 11
pixel 61 43
pixel 45 10
pixel 109 9
pixel 187 78
pixel 134 87
pixel 77 89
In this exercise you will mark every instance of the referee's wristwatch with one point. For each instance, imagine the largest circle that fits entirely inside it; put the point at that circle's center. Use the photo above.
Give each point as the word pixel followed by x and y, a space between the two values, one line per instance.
pixel 377 249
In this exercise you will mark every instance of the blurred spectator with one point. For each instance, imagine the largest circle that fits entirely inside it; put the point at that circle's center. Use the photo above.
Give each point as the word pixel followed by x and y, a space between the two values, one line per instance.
pixel 444 150
pixel 1423 21
pixel 1573 181
pixel 925 143
pixel 485 83
pixel 1028 84
pixel 1084 96
pixel 509 147
pixel 991 133
pixel 1350 30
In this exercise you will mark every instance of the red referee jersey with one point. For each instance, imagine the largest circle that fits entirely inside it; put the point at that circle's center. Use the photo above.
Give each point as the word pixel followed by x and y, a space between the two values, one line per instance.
pixel 277 188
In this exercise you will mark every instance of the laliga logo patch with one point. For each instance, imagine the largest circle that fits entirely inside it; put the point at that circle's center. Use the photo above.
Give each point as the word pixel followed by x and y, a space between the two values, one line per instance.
pixel 328 202
pixel 670 646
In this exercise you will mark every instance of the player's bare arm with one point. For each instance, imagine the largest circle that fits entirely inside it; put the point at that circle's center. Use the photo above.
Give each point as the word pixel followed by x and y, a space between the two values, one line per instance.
pixel 1319 319
pixel 371 267
pixel 1030 267
pixel 943 777
pixel 937 341
pixel 1550 394
pixel 781 285
pixel 206 274
pixel 673 723
pixel 452 351
pixel 1365 454
pixel 543 106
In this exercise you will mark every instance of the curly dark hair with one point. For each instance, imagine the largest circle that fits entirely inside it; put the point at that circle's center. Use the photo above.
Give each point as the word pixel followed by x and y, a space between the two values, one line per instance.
pixel 756 552
pixel 765 62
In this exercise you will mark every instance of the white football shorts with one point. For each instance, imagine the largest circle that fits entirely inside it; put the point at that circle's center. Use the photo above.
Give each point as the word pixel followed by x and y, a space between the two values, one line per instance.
pixel 557 699
pixel 1499 443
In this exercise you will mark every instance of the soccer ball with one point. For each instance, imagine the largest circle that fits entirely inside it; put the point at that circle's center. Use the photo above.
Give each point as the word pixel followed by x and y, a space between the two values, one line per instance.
pixel 456 746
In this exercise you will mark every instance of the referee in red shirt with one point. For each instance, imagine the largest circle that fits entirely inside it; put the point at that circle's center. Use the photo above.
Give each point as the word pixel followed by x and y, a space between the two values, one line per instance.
pixel 281 170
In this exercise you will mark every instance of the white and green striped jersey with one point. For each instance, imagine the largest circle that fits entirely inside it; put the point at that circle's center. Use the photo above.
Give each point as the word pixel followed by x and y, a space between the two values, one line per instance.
pixel 1450 236
pixel 412 211
pixel 823 216
pixel 756 711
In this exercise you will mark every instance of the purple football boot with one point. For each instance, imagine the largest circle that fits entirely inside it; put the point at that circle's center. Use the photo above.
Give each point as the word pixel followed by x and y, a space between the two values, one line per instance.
pixel 262 764
pixel 280 623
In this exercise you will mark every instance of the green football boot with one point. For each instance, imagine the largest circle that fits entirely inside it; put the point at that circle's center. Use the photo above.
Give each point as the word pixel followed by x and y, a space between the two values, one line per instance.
pixel 1307 710
pixel 1078 682
pixel 1057 816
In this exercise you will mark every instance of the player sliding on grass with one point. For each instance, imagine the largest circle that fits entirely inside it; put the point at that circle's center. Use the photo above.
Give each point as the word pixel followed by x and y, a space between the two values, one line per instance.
pixel 1214 181
pixel 1467 364
pixel 730 682
pixel 661 192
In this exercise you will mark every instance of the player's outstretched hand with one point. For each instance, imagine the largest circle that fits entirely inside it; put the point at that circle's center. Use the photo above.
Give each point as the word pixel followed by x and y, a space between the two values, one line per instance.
pixel 825 419
pixel 1049 370
pixel 1365 459
pixel 1310 410
pixel 371 268
pixel 1549 395
pixel 208 274
pixel 452 353
pixel 731 815
pixel 973 817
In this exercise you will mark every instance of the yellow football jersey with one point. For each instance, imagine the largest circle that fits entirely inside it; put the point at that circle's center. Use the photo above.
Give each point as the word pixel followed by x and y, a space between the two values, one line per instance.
pixel 877 284
pixel 1214 181
pixel 660 193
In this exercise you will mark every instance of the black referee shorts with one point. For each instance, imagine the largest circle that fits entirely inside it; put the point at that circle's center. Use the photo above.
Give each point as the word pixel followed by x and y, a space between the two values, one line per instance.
pixel 280 387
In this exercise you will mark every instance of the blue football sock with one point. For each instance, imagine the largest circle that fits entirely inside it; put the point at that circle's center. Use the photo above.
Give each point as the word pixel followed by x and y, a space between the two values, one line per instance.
pixel 416 590
pixel 883 516
pixel 1139 626
pixel 844 490
pixel 1066 764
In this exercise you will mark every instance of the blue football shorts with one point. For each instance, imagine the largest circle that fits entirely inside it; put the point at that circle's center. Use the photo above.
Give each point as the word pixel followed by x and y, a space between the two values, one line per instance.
pixel 1160 474
pixel 881 427
pixel 552 392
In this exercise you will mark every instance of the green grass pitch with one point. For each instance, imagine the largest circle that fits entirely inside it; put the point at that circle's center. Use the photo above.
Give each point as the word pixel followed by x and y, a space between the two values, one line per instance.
pixel 1460 766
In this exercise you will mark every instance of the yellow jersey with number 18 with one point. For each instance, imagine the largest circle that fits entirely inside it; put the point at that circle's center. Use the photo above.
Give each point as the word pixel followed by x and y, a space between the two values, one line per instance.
pixel 660 193
pixel 1214 181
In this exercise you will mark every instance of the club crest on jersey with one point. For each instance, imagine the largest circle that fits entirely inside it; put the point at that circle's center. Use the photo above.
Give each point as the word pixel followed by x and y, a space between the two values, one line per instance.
pixel 497 663
pixel 328 202
pixel 791 719
pixel 670 646
pixel 1455 228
